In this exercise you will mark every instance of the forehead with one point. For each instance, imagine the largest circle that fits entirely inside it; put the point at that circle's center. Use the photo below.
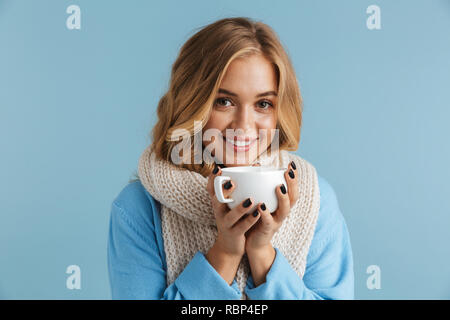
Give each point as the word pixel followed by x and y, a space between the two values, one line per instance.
pixel 250 74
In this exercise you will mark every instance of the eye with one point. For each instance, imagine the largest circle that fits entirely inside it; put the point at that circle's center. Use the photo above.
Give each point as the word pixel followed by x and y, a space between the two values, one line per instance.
pixel 265 104
pixel 220 102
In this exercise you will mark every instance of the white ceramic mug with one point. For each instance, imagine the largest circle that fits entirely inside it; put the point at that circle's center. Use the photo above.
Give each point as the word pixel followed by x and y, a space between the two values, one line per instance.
pixel 258 183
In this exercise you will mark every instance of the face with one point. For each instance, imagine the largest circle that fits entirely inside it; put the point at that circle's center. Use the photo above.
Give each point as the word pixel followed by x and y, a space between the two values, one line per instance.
pixel 244 112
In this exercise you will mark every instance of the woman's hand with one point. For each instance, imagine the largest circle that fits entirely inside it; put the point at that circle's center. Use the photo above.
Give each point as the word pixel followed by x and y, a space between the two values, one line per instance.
pixel 259 237
pixel 226 253
pixel 231 224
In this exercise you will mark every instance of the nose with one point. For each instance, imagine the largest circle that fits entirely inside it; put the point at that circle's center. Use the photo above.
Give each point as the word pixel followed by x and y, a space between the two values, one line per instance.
pixel 244 119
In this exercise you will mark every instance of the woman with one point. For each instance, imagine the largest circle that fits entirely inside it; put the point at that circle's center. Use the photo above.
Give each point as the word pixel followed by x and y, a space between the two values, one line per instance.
pixel 234 89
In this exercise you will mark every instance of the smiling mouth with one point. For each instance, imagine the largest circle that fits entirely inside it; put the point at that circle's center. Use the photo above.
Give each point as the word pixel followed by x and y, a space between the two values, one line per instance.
pixel 240 144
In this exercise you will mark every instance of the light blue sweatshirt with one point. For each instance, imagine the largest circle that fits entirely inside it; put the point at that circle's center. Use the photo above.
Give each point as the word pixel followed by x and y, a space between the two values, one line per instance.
pixel 137 264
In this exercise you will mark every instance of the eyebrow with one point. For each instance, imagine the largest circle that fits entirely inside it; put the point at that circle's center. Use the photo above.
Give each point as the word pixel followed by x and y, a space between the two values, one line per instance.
pixel 268 93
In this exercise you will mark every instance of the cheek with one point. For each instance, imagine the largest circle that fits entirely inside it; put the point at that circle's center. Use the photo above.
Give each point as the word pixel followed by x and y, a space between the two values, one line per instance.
pixel 216 123
pixel 266 120
pixel 266 124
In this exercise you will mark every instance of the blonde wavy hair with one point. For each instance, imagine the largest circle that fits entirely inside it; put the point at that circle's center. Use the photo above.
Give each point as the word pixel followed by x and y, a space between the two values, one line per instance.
pixel 198 71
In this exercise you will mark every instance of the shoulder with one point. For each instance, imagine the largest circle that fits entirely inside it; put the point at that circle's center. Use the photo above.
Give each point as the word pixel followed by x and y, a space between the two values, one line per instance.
pixel 328 197
pixel 135 204
pixel 330 221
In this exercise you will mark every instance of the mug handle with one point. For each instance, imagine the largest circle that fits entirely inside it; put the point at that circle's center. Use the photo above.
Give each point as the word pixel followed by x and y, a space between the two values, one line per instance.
pixel 218 188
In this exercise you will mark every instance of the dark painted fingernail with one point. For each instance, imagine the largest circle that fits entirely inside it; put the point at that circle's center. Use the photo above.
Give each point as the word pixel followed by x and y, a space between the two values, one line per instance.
pixel 283 189
pixel 291 174
pixel 263 207
pixel 216 169
pixel 247 203
pixel 293 165
pixel 227 185
pixel 255 213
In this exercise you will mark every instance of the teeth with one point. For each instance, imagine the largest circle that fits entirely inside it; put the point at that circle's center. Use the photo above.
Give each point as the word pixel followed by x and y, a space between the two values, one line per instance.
pixel 239 143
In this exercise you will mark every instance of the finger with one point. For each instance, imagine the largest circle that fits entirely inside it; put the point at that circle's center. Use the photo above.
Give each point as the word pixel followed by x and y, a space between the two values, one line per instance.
pixel 219 208
pixel 291 177
pixel 266 217
pixel 283 204
pixel 227 188
pixel 246 223
pixel 210 185
pixel 293 165
pixel 237 212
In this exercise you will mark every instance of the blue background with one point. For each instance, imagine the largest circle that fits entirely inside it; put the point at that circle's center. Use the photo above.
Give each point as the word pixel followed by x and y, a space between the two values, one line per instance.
pixel 76 108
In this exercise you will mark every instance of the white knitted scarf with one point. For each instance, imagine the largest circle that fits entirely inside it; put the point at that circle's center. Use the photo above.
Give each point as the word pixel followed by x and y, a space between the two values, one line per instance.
pixel 188 223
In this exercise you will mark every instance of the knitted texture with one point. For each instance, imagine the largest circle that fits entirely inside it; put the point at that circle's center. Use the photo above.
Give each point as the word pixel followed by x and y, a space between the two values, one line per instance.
pixel 188 223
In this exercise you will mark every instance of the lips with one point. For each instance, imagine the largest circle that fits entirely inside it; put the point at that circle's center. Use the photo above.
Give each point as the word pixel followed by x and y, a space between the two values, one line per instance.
pixel 240 143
